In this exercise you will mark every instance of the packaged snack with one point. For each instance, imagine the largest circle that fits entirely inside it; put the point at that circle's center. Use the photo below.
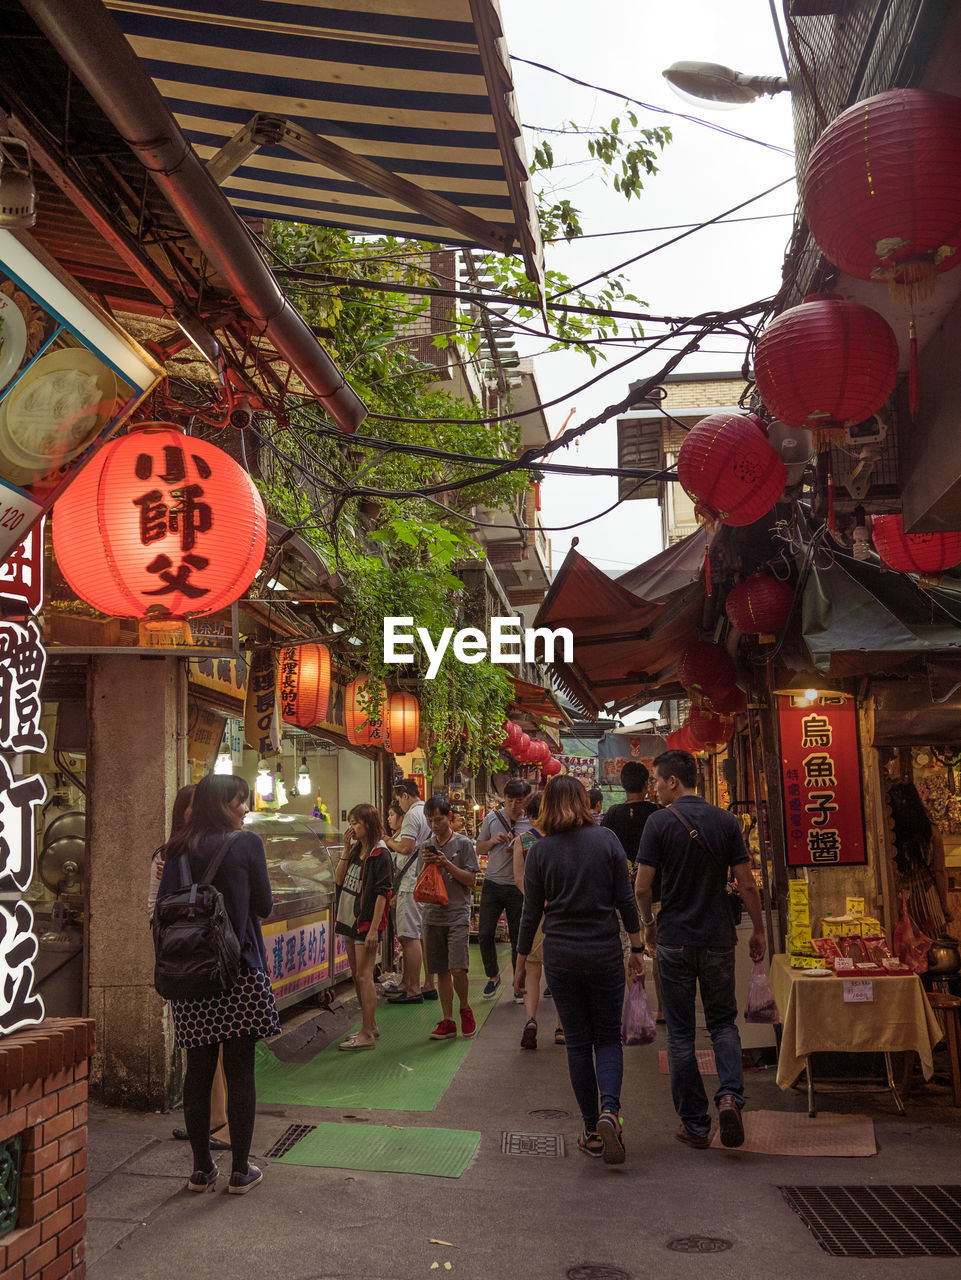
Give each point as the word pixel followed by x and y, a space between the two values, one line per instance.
pixel 826 946
pixel 854 906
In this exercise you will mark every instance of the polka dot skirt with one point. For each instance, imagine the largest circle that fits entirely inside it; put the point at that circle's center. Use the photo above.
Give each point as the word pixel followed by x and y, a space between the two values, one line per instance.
pixel 248 1009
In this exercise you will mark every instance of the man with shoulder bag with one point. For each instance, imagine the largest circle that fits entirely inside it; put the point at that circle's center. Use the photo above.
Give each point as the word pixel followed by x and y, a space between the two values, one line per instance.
pixel 696 845
pixel 495 841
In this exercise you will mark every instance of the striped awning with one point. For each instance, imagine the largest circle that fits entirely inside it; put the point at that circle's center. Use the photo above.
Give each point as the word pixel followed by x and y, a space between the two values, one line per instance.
pixel 382 116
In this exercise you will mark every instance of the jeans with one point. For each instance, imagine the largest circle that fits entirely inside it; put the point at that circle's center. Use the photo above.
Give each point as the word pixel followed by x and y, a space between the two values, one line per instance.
pixel 682 970
pixel 496 898
pixel 589 1004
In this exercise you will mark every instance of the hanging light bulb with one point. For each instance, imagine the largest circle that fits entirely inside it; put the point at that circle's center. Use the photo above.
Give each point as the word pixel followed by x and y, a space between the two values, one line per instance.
pixel 280 790
pixel 304 785
pixel 225 763
pixel 264 783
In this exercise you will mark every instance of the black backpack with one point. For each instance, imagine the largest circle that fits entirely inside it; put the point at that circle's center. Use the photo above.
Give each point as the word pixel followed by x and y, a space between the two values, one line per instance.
pixel 196 948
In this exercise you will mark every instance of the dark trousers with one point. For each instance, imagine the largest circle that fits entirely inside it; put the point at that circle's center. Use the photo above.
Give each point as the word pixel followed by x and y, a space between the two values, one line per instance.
pixel 496 898
pixel 588 1004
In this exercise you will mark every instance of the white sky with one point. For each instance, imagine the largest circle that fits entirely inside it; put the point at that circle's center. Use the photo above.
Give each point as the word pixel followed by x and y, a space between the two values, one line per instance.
pixel 624 45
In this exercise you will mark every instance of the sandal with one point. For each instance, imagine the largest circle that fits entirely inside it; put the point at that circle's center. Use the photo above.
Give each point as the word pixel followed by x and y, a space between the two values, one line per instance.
pixel 529 1038
pixel 559 1037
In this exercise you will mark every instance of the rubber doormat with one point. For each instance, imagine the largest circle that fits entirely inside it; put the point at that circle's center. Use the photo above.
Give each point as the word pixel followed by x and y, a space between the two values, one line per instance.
pixel 795 1133
pixel 439 1153
pixel 705 1062
pixel 881 1222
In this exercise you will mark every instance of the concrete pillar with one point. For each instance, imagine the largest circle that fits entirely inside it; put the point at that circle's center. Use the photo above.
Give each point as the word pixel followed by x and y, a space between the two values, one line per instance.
pixel 136 761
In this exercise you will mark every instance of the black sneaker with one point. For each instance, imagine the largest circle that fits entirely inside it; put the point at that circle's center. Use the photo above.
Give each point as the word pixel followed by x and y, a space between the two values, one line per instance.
pixel 203 1179
pixel 430 993
pixel 241 1183
pixel 609 1128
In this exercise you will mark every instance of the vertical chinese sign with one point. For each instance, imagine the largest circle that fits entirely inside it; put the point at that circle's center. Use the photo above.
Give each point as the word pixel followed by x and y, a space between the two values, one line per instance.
pixel 822 781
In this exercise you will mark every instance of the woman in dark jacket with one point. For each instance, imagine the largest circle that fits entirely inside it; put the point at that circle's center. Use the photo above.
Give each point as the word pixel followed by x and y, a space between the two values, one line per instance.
pixel 246 1013
pixel 576 877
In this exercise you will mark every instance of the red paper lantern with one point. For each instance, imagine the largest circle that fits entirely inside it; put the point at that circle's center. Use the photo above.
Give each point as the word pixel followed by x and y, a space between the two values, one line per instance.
pixel 551 767
pixel 728 702
pixel 704 726
pixel 882 189
pixel 521 749
pixel 160 523
pixel 759 604
pixel 826 364
pixel 924 553
pixel 365 728
pixel 540 752
pixel 730 471
pixel 303 680
pixel 512 734
pixel 403 723
pixel 704 668
pixel 683 740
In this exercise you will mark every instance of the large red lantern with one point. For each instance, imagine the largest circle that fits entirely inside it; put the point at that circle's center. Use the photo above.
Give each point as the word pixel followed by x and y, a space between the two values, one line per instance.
pixel 539 753
pixel 704 668
pixel 730 471
pixel 521 749
pixel 551 767
pixel 160 523
pixel 728 702
pixel 365 725
pixel 303 681
pixel 882 189
pixel 927 554
pixel 683 740
pixel 512 734
pixel 826 365
pixel 705 726
pixel 403 723
pixel 759 605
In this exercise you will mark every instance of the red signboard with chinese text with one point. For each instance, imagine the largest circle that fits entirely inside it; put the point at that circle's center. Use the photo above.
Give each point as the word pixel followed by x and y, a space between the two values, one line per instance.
pixel 822 781
pixel 21 574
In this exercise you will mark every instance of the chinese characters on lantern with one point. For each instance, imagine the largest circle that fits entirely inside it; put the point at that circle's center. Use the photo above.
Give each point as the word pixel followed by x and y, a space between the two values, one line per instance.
pixel 180 511
pixel 21 671
pixel 822 789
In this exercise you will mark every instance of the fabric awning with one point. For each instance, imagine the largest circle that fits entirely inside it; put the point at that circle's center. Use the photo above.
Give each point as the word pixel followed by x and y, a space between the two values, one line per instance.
pixel 383 116
pixel 626 638
pixel 537 703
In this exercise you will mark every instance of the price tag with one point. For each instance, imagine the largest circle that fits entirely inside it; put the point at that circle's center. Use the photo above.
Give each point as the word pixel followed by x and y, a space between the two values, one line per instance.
pixel 858 991
pixel 843 962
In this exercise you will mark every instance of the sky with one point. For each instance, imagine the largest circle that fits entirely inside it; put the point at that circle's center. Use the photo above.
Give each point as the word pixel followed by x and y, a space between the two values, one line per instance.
pixel 624 45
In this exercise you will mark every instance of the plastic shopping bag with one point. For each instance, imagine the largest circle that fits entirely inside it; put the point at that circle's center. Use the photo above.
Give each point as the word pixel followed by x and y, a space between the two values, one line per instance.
pixel 911 946
pixel 761 1005
pixel 637 1022
pixel 430 886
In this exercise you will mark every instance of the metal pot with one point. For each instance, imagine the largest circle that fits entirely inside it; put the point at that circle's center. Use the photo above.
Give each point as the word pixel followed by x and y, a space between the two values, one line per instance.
pixel 944 957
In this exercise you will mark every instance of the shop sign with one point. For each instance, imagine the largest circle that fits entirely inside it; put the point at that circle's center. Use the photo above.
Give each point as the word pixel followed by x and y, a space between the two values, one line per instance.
pixel 822 782
pixel 584 767
pixel 21 574
pixel 298 953
pixel 205 736
pixel 262 704
pixel 341 963
pixel 68 377
pixel 22 661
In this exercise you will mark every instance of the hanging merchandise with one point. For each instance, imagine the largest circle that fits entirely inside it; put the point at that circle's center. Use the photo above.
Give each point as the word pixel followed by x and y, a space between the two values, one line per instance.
pixel 711 730
pixel 403 724
pixel 160 524
pixel 826 365
pixel 365 711
pixel 726 466
pixel 759 605
pixel 304 684
pixel 927 554
pixel 704 669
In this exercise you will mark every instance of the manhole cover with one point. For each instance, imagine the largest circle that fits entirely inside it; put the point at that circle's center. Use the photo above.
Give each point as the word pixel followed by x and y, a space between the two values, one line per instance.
pixel 550 1113
pixel 700 1244
pixel 289 1138
pixel 597 1271
pixel 532 1144
pixel 881 1222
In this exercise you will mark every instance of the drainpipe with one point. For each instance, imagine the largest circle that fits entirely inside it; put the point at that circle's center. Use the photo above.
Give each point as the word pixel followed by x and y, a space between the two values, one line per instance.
pixel 96 50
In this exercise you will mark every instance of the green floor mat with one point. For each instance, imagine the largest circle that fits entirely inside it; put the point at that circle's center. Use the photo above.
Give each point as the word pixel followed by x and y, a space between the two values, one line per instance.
pixel 442 1153
pixel 405 1072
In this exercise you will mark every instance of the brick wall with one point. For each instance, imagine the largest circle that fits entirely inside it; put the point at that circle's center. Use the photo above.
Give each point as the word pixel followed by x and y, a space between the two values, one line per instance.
pixel 702 394
pixel 43 1097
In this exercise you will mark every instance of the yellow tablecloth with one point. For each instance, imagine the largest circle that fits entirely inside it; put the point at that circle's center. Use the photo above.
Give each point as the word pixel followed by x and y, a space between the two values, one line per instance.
pixel 815 1019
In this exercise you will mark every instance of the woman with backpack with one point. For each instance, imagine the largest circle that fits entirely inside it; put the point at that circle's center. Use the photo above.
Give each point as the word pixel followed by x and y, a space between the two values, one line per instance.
pixel 364 877
pixel 247 1012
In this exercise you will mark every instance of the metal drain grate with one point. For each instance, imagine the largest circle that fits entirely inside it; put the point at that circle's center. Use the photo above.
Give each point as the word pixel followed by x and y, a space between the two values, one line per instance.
pixel 597 1271
pixel 289 1138
pixel 550 1113
pixel 881 1222
pixel 532 1144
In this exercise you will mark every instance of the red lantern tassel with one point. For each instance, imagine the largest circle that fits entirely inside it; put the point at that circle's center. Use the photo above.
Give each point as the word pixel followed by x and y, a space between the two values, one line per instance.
pixel 914 398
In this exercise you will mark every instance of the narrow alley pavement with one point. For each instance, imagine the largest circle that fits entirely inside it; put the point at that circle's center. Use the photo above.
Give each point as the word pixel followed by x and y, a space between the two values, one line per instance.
pixel 507 1215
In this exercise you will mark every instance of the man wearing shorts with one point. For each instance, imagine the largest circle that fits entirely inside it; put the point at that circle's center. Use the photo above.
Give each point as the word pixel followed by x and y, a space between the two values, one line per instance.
pixel 413 832
pixel 447 928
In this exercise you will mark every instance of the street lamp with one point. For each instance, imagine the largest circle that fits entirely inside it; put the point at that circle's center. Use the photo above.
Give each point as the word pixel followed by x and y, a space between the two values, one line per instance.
pixel 719 84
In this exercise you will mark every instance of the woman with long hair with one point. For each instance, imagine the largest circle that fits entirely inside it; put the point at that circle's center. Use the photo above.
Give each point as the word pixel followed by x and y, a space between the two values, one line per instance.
pixel 919 860
pixel 240 1017
pixel 576 878
pixel 363 877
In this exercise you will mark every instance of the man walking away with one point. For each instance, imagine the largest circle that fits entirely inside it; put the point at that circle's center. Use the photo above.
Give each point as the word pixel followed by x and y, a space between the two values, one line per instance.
pixel 447 928
pixel 627 820
pixel 414 831
pixel 695 845
pixel 595 798
pixel 499 892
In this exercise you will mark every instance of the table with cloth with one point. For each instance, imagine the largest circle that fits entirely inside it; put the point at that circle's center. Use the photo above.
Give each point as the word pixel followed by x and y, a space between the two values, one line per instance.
pixel 816 1019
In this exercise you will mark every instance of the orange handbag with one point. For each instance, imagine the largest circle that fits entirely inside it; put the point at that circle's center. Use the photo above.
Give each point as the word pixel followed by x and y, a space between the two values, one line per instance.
pixel 430 887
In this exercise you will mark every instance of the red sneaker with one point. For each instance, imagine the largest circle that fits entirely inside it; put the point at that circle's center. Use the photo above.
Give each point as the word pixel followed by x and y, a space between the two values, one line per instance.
pixel 467 1024
pixel 445 1030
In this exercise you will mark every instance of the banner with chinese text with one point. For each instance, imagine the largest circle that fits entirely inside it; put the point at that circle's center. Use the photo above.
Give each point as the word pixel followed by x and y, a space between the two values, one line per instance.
pixel 822 781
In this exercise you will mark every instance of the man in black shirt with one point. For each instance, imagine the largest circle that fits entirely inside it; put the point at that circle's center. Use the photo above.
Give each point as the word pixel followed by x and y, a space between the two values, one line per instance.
pixel 695 847
pixel 627 820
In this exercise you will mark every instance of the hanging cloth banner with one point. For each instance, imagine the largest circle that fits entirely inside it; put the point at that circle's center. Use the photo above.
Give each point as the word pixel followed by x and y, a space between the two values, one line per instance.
pixel 262 704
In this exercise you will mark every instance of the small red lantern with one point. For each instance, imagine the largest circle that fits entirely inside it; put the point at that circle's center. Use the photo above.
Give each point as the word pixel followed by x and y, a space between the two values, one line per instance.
pixel 160 523
pixel 512 734
pixel 403 723
pixel 826 364
pixel 927 554
pixel 706 727
pixel 704 668
pixel 551 767
pixel 540 752
pixel 759 605
pixel 521 749
pixel 730 471
pixel 728 702
pixel 304 684
pixel 882 189
pixel 683 740
pixel 365 725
